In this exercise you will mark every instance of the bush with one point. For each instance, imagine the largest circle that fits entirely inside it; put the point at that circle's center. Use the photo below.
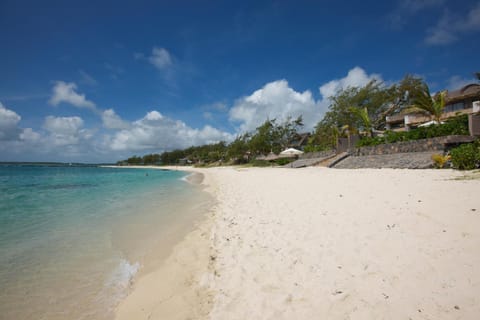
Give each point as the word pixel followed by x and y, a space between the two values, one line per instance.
pixel 315 148
pixel 440 160
pixel 284 161
pixel 455 126
pixel 466 156
pixel 260 163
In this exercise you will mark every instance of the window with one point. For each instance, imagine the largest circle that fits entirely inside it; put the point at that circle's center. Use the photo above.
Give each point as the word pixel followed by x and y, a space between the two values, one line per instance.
pixel 455 107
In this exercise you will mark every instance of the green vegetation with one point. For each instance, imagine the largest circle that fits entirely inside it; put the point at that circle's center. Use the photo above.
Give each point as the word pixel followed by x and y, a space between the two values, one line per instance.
pixel 466 156
pixel 364 110
pixel 269 137
pixel 353 110
pixel 439 160
pixel 455 126
pixel 423 102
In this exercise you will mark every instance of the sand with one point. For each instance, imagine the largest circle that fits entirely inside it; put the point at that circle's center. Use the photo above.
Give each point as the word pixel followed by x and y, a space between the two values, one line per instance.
pixel 319 243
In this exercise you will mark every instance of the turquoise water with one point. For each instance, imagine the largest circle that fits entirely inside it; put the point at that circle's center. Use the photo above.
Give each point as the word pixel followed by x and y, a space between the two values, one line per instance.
pixel 73 238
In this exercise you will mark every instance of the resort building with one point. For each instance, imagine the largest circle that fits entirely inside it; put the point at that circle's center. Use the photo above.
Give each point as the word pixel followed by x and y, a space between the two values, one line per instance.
pixel 462 101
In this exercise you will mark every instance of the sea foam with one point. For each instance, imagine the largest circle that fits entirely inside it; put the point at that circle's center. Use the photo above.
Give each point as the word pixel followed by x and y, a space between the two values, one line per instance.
pixel 123 274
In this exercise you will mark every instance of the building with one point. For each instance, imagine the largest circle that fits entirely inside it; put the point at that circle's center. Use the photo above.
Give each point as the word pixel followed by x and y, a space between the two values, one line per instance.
pixel 465 100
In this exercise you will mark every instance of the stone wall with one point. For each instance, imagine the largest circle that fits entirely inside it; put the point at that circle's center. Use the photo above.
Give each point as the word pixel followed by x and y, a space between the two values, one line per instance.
pixel 412 160
pixel 438 144
pixel 320 154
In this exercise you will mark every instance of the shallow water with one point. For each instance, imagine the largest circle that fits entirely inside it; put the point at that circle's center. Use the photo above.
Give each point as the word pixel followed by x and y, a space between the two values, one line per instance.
pixel 73 238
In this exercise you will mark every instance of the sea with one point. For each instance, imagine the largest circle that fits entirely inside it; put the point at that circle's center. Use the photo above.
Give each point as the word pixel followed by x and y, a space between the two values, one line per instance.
pixel 73 239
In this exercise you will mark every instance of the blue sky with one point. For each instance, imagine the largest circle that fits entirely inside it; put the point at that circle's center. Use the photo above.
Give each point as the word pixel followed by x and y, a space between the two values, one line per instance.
pixel 101 81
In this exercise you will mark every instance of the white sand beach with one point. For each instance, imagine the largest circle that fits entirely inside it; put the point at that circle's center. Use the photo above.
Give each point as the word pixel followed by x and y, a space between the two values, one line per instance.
pixel 320 243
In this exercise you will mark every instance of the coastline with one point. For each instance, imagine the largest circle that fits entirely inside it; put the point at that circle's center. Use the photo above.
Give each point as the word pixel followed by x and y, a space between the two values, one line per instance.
pixel 178 287
pixel 329 243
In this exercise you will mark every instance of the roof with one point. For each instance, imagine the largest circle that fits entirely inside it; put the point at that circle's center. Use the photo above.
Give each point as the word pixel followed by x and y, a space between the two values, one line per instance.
pixel 470 90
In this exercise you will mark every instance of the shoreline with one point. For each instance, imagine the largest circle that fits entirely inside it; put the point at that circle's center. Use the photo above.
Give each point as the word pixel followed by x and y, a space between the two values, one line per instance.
pixel 177 288
pixel 329 243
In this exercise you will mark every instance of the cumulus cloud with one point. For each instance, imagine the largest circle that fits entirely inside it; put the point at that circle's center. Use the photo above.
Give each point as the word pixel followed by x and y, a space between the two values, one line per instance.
pixel 9 120
pixel 68 138
pixel 157 132
pixel 13 138
pixel 66 92
pixel 112 121
pixel 356 77
pixel 277 100
pixel 28 135
pixel 64 130
pixel 452 26
pixel 63 125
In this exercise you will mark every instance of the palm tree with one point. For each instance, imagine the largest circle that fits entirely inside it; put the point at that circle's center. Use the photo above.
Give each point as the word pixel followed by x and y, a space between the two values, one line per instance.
pixel 335 133
pixel 362 114
pixel 423 102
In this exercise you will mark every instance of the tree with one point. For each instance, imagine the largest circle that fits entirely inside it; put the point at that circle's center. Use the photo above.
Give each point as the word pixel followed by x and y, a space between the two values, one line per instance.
pixel 423 102
pixel 287 132
pixel 274 137
pixel 238 148
pixel 134 160
pixel 362 114
pixel 263 140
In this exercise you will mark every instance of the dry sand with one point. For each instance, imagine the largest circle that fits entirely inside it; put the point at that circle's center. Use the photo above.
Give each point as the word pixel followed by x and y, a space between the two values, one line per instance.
pixel 319 243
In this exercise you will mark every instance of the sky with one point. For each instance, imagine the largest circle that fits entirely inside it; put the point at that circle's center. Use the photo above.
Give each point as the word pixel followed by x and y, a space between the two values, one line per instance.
pixel 100 81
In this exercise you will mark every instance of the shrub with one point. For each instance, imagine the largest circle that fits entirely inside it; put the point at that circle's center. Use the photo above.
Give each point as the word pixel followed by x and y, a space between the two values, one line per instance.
pixel 284 161
pixel 466 156
pixel 260 163
pixel 455 126
pixel 440 160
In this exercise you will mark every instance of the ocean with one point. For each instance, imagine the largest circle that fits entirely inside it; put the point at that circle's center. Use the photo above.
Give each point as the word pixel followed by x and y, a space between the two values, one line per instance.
pixel 72 239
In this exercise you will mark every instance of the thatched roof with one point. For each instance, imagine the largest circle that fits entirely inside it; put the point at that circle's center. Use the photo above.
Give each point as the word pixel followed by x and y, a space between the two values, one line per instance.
pixel 469 91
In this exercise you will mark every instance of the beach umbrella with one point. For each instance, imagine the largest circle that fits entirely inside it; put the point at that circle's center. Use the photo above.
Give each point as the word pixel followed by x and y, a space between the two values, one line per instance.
pixel 291 152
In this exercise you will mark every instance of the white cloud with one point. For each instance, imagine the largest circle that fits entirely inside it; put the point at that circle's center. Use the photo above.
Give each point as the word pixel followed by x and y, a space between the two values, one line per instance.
pixel 112 121
pixel 160 58
pixel 153 116
pixel 66 92
pixel 157 132
pixel 452 26
pixel 9 124
pixel 276 100
pixel 29 135
pixel 69 139
pixel 65 130
pixel 63 125
pixel 356 77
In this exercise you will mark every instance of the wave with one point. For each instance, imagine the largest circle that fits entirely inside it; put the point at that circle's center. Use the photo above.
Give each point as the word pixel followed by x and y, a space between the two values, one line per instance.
pixel 123 275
